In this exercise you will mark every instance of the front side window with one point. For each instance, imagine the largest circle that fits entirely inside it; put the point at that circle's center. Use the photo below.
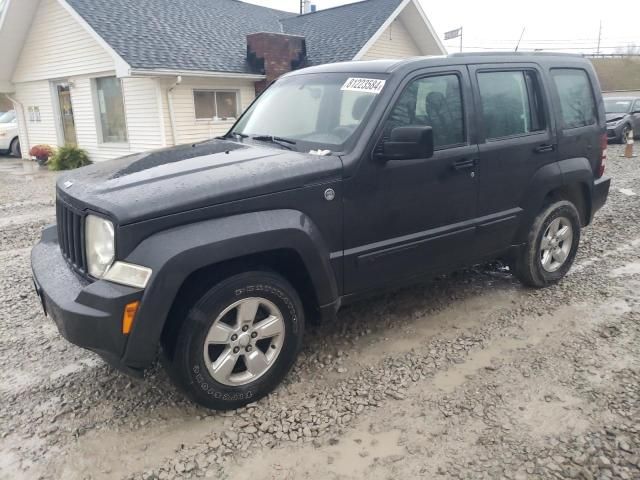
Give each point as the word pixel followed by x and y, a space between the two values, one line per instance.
pixel 435 102
pixel 113 126
pixel 8 117
pixel 314 111
pixel 215 105
pixel 511 103
pixel 576 97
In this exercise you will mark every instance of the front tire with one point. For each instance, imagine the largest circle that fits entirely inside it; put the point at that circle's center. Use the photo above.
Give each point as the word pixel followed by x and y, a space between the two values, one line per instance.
pixel 551 246
pixel 238 341
pixel 14 149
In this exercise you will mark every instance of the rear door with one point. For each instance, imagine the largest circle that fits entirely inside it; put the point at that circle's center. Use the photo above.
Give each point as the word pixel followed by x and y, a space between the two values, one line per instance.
pixel 516 138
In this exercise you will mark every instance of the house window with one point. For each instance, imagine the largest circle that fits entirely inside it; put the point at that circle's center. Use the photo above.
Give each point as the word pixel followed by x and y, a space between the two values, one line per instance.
pixel 215 105
pixel 110 107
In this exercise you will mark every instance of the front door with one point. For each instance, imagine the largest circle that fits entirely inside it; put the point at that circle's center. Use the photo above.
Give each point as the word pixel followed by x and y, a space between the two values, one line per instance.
pixel 66 120
pixel 405 218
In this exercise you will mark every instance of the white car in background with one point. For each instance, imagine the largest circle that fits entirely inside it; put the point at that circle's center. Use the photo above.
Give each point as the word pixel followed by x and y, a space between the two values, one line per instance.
pixel 9 141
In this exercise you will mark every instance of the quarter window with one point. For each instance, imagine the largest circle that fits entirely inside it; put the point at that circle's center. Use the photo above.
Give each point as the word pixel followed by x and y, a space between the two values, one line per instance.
pixel 110 106
pixel 511 103
pixel 215 105
pixel 435 102
pixel 576 97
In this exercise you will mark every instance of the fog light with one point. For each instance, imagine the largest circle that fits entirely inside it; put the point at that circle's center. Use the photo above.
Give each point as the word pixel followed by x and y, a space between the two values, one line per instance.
pixel 128 274
pixel 129 314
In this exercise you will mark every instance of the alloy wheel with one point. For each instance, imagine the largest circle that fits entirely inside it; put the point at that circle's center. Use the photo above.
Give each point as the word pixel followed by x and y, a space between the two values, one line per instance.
pixel 244 341
pixel 556 244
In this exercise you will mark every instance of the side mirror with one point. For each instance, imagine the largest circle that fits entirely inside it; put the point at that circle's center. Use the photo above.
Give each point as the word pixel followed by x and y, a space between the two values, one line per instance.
pixel 409 143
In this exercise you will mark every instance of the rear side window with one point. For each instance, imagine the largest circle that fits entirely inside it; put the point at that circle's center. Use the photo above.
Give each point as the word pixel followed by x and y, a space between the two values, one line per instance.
pixel 432 101
pixel 511 103
pixel 576 97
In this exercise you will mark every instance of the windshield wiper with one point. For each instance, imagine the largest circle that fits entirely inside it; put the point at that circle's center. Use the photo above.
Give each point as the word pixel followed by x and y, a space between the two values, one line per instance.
pixel 283 142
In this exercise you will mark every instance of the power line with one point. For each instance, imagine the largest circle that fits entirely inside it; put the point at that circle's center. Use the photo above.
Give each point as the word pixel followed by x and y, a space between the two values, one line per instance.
pixel 593 47
pixel 563 40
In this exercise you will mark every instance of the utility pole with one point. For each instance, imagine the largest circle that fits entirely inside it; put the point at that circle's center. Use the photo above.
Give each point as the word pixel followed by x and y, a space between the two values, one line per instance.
pixel 460 39
pixel 520 39
pixel 599 37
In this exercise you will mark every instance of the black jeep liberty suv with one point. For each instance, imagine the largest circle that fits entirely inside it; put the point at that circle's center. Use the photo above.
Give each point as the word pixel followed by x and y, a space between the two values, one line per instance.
pixel 337 182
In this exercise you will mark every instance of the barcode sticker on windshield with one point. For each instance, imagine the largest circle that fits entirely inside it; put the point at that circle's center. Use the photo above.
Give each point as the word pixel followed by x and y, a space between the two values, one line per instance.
pixel 369 85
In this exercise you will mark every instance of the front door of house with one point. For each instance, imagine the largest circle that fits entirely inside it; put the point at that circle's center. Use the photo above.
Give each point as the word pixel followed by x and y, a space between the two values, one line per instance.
pixel 67 123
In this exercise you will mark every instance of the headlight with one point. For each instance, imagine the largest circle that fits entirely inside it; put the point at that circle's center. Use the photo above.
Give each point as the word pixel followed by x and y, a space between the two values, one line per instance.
pixel 99 245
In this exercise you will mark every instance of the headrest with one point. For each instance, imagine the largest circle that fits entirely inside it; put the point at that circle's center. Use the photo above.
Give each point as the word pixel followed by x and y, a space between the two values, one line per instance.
pixel 435 101
pixel 360 106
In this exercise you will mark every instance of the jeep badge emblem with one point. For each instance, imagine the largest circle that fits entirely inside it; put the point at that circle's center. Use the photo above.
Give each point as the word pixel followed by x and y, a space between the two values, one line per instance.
pixel 68 184
pixel 329 194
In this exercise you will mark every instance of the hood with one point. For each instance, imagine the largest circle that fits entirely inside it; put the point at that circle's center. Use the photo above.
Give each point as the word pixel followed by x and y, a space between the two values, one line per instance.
pixel 5 127
pixel 615 116
pixel 153 184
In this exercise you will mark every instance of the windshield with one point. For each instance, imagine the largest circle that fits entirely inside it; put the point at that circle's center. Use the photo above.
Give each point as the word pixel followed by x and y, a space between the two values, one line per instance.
pixel 8 117
pixel 313 111
pixel 617 106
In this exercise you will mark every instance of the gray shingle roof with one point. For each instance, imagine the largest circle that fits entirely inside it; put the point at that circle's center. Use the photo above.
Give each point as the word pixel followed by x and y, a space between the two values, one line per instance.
pixel 210 35
pixel 338 34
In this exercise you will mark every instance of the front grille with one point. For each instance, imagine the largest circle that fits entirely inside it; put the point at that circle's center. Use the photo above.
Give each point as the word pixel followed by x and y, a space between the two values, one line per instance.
pixel 71 235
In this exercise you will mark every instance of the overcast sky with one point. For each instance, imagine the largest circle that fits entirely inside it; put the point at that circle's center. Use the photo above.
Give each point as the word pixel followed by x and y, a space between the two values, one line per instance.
pixel 571 25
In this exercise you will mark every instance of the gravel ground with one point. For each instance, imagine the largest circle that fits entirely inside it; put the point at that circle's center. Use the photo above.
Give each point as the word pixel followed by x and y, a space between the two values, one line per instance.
pixel 469 376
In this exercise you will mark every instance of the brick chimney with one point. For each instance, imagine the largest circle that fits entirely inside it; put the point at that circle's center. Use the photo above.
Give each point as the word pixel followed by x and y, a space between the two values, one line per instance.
pixel 274 54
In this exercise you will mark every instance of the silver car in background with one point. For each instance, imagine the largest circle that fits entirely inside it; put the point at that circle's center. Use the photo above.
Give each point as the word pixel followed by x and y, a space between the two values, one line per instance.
pixel 623 115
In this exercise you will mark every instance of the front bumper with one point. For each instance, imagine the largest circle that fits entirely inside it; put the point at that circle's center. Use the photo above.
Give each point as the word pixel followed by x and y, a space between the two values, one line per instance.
pixel 599 194
pixel 88 314
pixel 614 132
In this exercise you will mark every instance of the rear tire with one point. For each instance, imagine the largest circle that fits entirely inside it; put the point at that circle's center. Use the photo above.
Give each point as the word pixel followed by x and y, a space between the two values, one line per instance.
pixel 552 244
pixel 624 134
pixel 239 341
pixel 14 149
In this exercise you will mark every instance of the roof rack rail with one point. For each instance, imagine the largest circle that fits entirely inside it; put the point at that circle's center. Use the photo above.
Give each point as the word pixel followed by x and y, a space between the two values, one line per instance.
pixel 507 53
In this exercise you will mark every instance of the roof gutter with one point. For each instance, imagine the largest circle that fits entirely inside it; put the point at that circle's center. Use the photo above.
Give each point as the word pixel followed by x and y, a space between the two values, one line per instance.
pixel 23 121
pixel 159 72
pixel 172 119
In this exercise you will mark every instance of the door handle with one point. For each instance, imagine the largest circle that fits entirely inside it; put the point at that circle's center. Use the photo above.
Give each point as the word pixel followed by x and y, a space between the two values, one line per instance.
pixel 464 164
pixel 544 148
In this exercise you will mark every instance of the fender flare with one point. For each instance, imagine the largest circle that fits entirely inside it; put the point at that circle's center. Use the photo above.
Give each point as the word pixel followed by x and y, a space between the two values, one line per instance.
pixel 176 253
pixel 550 177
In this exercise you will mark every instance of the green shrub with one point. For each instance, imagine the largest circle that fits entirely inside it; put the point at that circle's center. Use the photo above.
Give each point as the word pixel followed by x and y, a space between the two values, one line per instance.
pixel 68 157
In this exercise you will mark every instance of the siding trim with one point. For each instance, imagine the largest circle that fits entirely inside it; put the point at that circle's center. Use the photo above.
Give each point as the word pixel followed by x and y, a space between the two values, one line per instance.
pixel 163 132
pixel 122 67
pixel 194 73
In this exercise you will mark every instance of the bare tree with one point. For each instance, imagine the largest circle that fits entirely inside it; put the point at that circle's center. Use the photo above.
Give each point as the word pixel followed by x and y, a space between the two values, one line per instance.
pixel 629 49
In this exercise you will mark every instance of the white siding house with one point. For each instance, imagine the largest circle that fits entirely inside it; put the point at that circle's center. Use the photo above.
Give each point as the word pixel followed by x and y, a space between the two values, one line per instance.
pixel 73 80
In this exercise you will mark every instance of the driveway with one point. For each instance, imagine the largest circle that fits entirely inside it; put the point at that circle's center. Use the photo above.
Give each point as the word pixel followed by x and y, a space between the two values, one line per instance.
pixel 469 376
